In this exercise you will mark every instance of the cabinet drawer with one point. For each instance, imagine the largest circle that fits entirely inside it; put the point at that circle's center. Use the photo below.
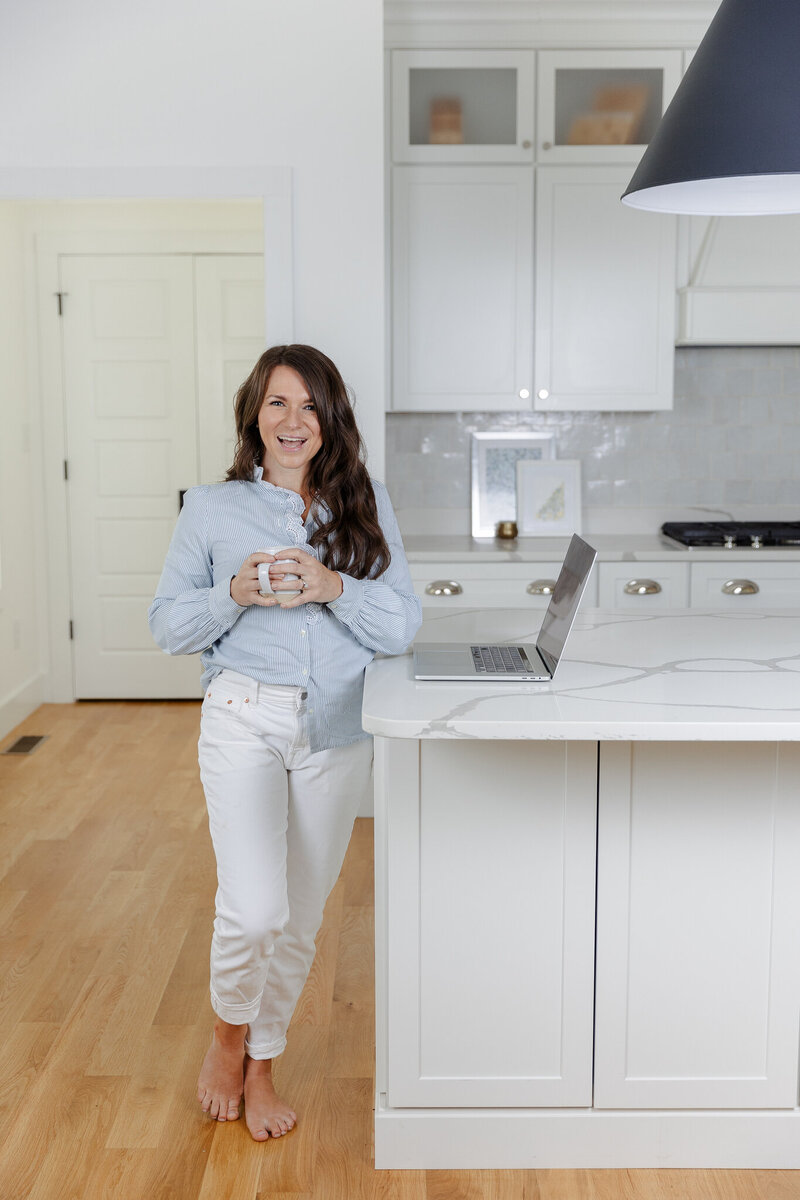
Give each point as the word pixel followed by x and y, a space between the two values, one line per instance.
pixel 490 585
pixel 644 586
pixel 745 585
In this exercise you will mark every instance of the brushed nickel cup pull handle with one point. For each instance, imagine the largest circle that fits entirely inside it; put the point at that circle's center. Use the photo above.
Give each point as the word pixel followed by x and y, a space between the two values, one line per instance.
pixel 541 587
pixel 642 587
pixel 740 587
pixel 444 587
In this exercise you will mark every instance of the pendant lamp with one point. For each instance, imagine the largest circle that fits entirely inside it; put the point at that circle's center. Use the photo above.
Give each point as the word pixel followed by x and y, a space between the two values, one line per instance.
pixel 729 142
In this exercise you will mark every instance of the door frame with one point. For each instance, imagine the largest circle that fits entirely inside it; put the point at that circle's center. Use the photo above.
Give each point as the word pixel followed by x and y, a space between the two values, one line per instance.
pixel 60 683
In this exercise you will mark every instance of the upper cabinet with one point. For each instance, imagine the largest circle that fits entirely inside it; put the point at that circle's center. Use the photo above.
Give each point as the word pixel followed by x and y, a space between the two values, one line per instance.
pixel 601 106
pixel 462 106
pixel 498 304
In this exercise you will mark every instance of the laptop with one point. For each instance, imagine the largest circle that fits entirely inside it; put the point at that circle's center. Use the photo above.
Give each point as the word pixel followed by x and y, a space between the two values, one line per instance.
pixel 520 664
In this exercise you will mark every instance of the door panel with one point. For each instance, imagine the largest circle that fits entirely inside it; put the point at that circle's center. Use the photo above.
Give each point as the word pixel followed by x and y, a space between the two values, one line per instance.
pixel 229 291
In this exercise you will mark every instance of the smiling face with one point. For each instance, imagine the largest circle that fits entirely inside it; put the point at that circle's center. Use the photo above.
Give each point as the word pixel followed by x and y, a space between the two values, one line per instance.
pixel 289 428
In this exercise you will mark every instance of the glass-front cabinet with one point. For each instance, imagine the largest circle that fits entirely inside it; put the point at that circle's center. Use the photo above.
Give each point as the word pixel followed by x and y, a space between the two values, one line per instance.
pixel 470 106
pixel 602 106
pixel 498 304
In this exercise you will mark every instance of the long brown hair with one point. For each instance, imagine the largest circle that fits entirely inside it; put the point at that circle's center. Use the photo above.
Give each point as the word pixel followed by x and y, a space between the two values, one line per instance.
pixel 350 539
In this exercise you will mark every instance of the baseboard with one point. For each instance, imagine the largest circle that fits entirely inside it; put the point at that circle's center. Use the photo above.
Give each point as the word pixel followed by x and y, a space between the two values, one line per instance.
pixel 20 704
pixel 528 1139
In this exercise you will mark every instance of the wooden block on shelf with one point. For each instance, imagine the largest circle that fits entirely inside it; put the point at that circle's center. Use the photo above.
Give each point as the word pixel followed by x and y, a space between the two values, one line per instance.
pixel 446 124
pixel 602 129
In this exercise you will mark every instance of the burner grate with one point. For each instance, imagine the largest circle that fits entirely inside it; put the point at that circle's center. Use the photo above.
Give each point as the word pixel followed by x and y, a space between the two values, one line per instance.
pixel 733 534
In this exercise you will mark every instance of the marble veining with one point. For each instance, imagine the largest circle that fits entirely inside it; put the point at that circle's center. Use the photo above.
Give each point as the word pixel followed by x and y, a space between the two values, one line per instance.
pixel 673 675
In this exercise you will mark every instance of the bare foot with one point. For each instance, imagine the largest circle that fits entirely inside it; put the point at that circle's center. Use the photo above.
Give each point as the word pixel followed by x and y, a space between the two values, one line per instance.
pixel 266 1115
pixel 219 1088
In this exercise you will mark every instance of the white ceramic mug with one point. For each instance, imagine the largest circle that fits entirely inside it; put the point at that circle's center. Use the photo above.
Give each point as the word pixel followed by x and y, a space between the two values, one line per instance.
pixel 266 588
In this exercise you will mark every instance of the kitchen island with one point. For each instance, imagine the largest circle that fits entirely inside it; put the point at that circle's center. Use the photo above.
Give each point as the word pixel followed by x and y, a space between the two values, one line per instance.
pixel 588 899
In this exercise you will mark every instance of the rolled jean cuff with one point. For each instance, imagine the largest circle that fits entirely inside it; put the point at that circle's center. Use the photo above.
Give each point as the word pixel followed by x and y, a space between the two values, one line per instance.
pixel 235 1014
pixel 264 1050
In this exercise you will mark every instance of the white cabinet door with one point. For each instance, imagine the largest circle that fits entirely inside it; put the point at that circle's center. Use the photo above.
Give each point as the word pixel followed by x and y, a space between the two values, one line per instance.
pixel 605 295
pixel 745 586
pixel 488 95
pixel 643 586
pixel 604 105
pixel 698 924
pixel 485 966
pixel 462 303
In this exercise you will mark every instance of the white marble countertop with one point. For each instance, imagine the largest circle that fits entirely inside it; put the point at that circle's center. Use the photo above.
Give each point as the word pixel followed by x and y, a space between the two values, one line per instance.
pixel 421 548
pixel 667 676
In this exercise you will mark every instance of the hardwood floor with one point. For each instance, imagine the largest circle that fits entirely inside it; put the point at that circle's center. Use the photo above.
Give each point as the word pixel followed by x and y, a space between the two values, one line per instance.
pixel 106 900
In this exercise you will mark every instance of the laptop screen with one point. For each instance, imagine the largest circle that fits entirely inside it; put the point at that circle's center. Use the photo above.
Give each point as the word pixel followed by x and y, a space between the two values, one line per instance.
pixel 564 602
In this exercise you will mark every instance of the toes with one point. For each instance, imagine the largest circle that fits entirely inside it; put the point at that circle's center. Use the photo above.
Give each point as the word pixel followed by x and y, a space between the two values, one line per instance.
pixel 205 1099
pixel 233 1110
pixel 213 1110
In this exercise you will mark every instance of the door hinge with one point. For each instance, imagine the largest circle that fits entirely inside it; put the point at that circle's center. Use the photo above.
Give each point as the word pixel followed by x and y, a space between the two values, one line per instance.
pixel 66 469
pixel 60 297
pixel 71 632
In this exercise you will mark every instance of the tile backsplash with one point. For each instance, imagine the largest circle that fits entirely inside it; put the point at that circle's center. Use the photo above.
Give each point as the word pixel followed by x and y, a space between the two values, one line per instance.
pixel 731 444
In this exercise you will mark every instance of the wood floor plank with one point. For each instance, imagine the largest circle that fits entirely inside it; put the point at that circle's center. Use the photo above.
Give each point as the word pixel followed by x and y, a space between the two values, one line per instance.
pixel 344 1157
pixel 77 1134
pixel 49 1100
pixel 116 1048
pixel 314 1005
pixel 25 1049
pixel 185 999
pixel 351 1049
pixel 359 875
pixel 475 1185
pixel 146 1108
pixel 291 1162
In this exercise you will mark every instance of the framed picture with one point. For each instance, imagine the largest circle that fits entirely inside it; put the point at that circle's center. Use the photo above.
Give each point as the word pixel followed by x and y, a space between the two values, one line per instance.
pixel 494 474
pixel 549 497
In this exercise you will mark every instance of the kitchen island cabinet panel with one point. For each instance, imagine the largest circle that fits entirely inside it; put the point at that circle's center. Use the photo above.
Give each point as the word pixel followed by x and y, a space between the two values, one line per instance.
pixel 489 942
pixel 698 910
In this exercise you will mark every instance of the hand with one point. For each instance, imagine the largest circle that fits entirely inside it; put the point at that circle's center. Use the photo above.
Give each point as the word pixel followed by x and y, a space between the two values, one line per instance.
pixel 245 588
pixel 318 583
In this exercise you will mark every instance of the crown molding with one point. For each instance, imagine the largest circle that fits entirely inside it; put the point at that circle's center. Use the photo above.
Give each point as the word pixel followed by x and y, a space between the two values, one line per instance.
pixel 546 23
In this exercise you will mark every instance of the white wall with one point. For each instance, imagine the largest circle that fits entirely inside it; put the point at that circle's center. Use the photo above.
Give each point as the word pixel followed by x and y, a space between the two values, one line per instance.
pixel 94 90
pixel 21 594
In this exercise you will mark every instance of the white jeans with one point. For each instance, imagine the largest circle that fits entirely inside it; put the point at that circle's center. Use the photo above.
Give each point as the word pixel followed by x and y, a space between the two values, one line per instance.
pixel 280 820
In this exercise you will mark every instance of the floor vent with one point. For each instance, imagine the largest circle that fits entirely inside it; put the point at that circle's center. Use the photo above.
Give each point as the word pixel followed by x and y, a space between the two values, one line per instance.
pixel 26 744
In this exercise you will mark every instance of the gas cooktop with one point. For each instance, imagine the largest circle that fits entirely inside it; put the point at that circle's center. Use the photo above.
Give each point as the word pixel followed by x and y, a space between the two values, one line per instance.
pixel 733 535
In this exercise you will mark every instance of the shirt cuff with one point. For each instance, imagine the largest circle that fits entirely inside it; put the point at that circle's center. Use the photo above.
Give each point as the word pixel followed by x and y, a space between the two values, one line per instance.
pixel 346 606
pixel 222 605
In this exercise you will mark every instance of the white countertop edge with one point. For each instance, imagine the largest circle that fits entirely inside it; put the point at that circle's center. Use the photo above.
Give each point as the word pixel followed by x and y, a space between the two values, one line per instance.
pixel 547 731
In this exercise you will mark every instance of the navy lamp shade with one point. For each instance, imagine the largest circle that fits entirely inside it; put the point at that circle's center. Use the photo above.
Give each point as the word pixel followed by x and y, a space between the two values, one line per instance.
pixel 729 142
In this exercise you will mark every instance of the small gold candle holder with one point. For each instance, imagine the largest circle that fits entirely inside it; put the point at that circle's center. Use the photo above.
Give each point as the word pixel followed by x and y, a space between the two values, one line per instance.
pixel 506 530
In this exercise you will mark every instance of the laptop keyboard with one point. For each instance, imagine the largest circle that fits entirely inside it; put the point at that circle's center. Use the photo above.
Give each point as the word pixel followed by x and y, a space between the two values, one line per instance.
pixel 494 660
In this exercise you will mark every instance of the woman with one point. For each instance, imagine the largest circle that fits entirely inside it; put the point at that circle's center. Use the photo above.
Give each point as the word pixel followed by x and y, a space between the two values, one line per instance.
pixel 283 758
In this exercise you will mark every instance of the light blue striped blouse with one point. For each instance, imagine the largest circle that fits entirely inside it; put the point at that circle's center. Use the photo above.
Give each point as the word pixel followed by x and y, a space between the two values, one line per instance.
pixel 322 647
